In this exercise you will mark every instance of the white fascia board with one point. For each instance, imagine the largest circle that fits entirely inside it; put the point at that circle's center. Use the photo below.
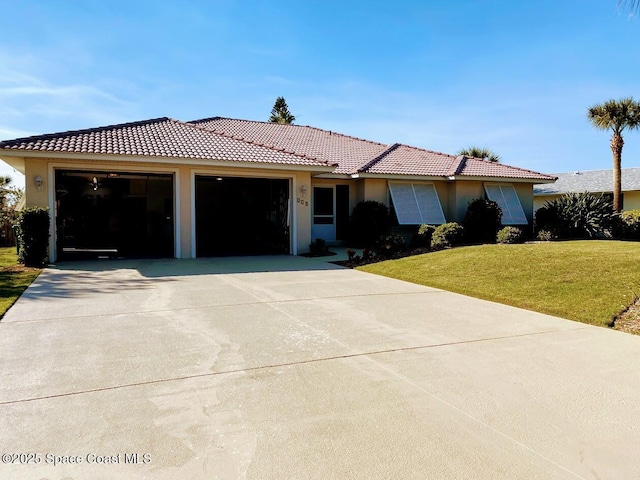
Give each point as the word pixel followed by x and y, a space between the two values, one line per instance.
pixel 500 180
pixel 166 160
pixel 342 176
pixel 392 178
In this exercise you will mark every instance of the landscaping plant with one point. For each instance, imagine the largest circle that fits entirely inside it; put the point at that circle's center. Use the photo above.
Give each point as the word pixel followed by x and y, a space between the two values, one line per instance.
pixel 390 245
pixel 34 236
pixel 447 235
pixel 510 235
pixel 318 248
pixel 577 215
pixel 369 221
pixel 630 223
pixel 482 221
pixel 422 239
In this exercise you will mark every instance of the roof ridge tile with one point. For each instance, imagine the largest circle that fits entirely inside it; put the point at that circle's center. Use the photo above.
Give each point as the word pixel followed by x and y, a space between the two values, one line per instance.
pixel 510 166
pixel 83 131
pixel 251 142
pixel 377 158
pixel 288 125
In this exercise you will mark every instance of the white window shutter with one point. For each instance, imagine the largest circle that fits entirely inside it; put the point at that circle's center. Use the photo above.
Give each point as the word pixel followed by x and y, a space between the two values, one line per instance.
pixel 415 203
pixel 507 198
pixel 404 202
pixel 429 204
pixel 515 207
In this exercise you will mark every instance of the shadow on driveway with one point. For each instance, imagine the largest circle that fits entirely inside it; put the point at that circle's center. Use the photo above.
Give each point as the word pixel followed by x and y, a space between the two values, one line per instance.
pixel 83 278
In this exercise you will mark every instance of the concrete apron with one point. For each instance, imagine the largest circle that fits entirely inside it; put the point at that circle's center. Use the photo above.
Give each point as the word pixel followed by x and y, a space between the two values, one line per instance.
pixel 285 367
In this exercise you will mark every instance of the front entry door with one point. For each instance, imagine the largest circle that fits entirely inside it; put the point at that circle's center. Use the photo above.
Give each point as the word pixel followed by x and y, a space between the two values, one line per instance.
pixel 324 218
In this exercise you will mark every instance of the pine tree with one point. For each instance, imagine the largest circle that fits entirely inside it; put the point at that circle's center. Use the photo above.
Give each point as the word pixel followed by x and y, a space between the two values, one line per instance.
pixel 280 112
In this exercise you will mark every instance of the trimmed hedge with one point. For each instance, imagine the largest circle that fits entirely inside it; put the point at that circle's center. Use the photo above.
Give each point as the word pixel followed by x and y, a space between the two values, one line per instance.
pixel 33 236
pixel 510 235
pixel 447 235
pixel 369 221
pixel 630 223
pixel 482 221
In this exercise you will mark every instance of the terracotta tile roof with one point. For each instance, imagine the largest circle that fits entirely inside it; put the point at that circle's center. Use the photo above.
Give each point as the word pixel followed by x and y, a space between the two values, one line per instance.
pixel 227 139
pixel 355 155
pixel 477 167
pixel 350 153
pixel 160 137
pixel 405 160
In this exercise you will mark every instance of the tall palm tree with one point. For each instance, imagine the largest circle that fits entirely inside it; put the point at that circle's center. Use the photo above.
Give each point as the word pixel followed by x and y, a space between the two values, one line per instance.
pixel 480 152
pixel 617 116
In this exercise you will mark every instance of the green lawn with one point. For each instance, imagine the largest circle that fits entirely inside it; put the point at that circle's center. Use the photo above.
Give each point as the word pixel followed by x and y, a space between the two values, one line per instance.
pixel 14 278
pixel 587 281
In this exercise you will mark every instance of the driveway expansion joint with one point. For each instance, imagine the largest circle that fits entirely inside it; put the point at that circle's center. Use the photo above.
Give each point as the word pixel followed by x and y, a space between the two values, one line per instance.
pixel 184 309
pixel 281 365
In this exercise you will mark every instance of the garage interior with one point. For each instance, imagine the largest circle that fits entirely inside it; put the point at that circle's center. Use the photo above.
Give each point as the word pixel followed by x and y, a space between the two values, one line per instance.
pixel 120 215
pixel 241 216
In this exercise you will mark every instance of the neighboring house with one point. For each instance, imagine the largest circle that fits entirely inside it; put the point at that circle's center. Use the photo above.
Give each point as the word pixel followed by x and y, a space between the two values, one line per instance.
pixel 594 181
pixel 222 186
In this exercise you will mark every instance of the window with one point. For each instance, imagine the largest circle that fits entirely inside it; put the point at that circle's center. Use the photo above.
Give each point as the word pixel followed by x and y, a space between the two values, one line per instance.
pixel 323 205
pixel 416 203
pixel 507 198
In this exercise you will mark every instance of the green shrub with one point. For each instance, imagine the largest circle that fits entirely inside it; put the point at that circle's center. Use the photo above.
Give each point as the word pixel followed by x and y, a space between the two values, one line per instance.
pixel 545 236
pixel 389 245
pixel 510 235
pixel 34 236
pixel 369 221
pixel 447 235
pixel 630 223
pixel 482 220
pixel 422 239
pixel 577 215
pixel 318 248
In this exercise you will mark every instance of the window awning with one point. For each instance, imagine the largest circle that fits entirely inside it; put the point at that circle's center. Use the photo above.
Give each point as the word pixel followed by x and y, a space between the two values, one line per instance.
pixel 507 198
pixel 416 203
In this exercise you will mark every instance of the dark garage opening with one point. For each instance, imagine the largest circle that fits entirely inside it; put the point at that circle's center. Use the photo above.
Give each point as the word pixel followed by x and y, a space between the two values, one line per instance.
pixel 114 215
pixel 241 216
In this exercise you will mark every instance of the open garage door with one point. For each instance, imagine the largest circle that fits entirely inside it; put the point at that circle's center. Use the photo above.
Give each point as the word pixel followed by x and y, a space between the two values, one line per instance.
pixel 241 216
pixel 114 215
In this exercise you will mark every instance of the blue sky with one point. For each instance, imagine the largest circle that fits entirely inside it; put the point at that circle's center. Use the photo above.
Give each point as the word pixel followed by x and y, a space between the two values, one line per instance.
pixel 516 77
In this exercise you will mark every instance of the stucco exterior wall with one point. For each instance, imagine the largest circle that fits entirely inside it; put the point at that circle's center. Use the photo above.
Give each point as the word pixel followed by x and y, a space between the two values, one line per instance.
pixel 302 204
pixel 540 200
pixel 525 194
pixel 34 197
pixel 376 189
pixel 632 200
pixel 465 192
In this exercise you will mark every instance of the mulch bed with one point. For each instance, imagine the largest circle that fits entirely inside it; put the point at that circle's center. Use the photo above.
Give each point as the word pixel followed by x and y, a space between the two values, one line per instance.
pixel 629 321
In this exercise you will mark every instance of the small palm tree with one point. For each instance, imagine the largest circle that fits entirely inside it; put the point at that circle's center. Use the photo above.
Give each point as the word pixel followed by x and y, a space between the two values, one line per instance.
pixel 280 112
pixel 617 116
pixel 480 152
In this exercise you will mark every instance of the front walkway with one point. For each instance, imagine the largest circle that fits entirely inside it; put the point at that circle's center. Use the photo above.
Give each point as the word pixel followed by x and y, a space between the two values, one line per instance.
pixel 286 367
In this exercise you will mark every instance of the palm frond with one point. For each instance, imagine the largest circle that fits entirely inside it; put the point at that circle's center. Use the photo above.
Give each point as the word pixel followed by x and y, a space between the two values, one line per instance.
pixel 480 152
pixel 632 5
pixel 616 115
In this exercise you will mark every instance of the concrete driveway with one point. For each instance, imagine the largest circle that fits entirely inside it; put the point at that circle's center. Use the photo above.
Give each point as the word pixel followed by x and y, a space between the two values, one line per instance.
pixel 291 368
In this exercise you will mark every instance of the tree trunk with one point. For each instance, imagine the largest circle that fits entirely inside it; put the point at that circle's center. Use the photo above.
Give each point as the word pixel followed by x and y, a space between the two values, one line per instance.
pixel 616 147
